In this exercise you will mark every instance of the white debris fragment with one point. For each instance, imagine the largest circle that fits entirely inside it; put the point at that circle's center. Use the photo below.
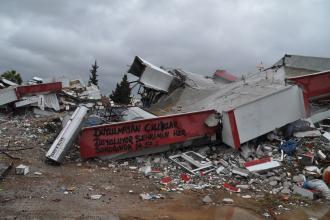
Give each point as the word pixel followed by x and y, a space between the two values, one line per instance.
pixel 22 169
pixel 228 201
pixel 96 197
pixel 207 199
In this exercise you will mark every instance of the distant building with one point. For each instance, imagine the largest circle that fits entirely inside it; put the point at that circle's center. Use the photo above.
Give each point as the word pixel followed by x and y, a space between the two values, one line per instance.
pixel 296 65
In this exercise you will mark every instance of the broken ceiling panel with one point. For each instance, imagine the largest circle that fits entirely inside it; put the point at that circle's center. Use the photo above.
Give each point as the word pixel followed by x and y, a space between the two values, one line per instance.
pixel 150 75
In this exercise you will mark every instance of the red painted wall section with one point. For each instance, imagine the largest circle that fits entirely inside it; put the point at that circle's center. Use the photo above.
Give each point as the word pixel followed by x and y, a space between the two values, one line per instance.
pixel 314 85
pixel 234 130
pixel 38 88
pixel 148 133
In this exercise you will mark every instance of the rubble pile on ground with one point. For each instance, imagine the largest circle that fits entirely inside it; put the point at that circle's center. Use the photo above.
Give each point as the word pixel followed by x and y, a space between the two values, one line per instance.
pixel 231 174
pixel 48 97
pixel 232 142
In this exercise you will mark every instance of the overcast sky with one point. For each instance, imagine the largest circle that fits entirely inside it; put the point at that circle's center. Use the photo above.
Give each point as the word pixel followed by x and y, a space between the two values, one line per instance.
pixel 64 37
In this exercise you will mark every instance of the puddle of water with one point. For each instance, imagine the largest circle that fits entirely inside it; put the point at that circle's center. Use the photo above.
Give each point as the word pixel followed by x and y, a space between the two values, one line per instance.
pixel 320 212
pixel 233 213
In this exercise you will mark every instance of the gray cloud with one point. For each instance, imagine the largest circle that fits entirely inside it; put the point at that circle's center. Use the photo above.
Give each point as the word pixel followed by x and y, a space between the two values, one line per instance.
pixel 64 37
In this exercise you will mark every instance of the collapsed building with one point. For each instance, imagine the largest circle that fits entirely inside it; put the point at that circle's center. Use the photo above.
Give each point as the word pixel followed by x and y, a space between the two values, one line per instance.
pixel 239 110
pixel 251 133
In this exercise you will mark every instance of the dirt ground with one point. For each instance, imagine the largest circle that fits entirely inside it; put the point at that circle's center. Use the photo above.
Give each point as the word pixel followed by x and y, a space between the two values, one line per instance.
pixel 63 192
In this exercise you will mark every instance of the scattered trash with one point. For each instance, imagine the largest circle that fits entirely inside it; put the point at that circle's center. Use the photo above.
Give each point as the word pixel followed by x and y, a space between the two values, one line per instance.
pixel 166 180
pixel 151 196
pixel 231 188
pixel 289 146
pixel 22 169
pixel 185 177
pixel 193 162
pixel 261 164
pixel 307 159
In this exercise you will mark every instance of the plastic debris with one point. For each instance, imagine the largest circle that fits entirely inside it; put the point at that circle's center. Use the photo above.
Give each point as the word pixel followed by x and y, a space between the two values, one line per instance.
pixel 289 146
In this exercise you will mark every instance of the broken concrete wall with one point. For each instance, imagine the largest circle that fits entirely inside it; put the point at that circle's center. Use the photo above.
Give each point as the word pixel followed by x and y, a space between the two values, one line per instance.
pixel 7 95
pixel 131 138
pixel 251 120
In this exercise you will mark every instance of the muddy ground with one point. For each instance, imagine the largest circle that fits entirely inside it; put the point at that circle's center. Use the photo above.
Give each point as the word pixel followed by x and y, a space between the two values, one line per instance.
pixel 63 192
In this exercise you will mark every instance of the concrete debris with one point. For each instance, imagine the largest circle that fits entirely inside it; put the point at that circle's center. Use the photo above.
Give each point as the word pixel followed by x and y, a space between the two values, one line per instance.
pixel 243 186
pixel 246 151
pixel 321 155
pixel 7 95
pixel 220 169
pixel 146 170
pixel 22 169
pixel 273 183
pixel 47 94
pixel 151 196
pixel 299 178
pixel 303 192
pixel 313 170
pixel 286 191
pixel 241 172
pixel 207 199
pixel 227 200
pixel 315 133
pixel 96 197
pixel 326 135
pixel 246 197
pixel 4 170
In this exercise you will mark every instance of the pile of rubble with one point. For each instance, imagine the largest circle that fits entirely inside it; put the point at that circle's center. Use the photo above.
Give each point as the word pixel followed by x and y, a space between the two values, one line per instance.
pixel 255 170
pixel 254 137
pixel 45 97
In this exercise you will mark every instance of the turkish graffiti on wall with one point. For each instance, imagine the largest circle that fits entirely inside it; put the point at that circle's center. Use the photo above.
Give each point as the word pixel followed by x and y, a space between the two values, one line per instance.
pixel 138 135
pixel 134 136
